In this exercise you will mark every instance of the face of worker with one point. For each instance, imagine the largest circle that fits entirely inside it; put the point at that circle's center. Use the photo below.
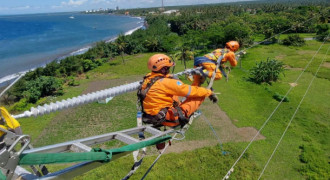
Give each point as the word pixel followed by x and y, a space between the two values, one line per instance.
pixel 165 70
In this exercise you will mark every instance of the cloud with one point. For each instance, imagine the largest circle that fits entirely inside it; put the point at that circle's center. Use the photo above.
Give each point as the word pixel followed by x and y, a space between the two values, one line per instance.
pixel 70 3
pixel 100 1
pixel 4 8
pixel 21 8
pixel 73 3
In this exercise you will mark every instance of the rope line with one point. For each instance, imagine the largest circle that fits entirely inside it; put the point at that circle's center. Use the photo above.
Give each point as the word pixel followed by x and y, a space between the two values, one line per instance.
pixel 228 173
pixel 292 117
pixel 161 153
pixel 215 134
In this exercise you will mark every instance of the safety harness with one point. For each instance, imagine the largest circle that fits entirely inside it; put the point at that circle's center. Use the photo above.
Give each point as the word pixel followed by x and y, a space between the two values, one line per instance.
pixel 158 119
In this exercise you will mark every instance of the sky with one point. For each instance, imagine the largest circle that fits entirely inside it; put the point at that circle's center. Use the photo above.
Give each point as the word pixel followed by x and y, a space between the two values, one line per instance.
pixel 44 6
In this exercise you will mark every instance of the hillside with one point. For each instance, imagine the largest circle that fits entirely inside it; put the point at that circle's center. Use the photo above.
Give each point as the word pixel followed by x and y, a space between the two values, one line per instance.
pixel 301 154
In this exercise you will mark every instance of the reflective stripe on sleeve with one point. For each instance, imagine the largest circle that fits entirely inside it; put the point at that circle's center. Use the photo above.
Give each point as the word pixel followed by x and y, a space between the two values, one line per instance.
pixel 189 91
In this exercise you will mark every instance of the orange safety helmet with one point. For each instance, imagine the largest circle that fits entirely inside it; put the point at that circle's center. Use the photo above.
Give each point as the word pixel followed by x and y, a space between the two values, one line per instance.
pixel 158 61
pixel 232 45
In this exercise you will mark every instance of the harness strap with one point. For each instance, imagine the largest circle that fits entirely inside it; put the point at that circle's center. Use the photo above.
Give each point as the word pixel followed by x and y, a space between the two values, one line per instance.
pixel 142 93
pixel 182 118
pixel 223 71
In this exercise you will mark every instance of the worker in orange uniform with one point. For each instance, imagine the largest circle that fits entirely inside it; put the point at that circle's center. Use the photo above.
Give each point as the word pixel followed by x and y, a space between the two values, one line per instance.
pixel 159 92
pixel 208 62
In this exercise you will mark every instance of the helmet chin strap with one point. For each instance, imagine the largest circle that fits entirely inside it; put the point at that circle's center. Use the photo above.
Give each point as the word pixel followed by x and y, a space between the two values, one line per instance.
pixel 164 71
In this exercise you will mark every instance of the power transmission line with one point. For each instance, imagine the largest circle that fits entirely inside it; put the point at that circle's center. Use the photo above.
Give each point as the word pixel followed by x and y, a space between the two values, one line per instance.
pixel 228 173
pixel 292 117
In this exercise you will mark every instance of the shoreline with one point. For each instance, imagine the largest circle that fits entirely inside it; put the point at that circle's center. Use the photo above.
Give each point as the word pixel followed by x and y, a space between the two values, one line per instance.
pixel 8 78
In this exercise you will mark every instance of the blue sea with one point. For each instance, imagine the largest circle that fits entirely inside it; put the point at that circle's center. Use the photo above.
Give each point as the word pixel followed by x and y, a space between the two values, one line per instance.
pixel 30 41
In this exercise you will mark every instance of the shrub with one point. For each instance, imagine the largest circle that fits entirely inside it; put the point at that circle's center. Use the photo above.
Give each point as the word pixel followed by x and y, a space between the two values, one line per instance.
pixel 73 82
pixel 313 166
pixel 41 87
pixel 88 65
pixel 278 97
pixel 322 31
pixel 293 40
pixel 266 71
pixel 21 105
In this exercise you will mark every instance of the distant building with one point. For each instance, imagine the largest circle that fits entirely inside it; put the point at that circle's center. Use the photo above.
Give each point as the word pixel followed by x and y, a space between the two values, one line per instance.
pixel 170 11
pixel 127 13
pixel 117 8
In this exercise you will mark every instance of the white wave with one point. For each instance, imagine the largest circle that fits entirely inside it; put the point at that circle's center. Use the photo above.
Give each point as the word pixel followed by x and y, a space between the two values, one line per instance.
pixel 136 17
pixel 131 31
pixel 111 40
pixel 13 76
pixel 126 33
pixel 80 51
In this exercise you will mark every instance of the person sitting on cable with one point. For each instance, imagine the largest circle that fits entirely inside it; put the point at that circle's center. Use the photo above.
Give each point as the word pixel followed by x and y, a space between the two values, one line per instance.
pixel 208 63
pixel 159 92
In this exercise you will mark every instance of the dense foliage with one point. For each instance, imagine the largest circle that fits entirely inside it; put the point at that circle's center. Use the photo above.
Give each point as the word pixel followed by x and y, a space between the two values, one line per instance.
pixel 322 31
pixel 266 71
pixel 293 40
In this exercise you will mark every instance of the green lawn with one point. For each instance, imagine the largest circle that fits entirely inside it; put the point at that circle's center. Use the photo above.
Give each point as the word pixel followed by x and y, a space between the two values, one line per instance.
pixel 303 153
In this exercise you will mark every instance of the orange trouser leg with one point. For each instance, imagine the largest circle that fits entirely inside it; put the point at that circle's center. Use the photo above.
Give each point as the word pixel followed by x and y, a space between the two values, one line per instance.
pixel 171 115
pixel 190 105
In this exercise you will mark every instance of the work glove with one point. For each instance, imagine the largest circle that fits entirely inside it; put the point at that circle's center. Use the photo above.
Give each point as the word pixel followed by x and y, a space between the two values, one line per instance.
pixel 239 54
pixel 213 97
pixel 197 72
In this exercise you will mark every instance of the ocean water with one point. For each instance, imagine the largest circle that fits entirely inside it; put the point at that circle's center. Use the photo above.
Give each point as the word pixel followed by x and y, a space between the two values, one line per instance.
pixel 30 41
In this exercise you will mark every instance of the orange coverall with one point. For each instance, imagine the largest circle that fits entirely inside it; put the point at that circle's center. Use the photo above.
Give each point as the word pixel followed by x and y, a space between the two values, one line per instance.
pixel 208 62
pixel 165 91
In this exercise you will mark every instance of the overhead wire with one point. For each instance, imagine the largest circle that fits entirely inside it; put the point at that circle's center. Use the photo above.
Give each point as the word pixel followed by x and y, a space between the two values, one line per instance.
pixel 294 114
pixel 264 124
pixel 8 87
pixel 215 134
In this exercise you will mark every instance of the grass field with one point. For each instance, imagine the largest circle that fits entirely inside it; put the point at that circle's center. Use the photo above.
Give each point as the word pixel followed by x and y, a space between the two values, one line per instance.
pixel 303 153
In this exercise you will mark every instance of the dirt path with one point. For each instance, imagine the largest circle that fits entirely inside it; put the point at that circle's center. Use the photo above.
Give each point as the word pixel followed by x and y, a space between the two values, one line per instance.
pixel 104 84
pixel 223 126
pixel 292 68
pixel 326 64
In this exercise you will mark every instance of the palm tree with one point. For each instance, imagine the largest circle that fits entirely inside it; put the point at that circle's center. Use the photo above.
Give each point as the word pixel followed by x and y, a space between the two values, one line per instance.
pixel 121 45
pixel 184 54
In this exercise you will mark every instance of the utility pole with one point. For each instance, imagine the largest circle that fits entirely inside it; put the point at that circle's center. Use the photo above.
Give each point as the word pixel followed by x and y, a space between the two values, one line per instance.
pixel 162 9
